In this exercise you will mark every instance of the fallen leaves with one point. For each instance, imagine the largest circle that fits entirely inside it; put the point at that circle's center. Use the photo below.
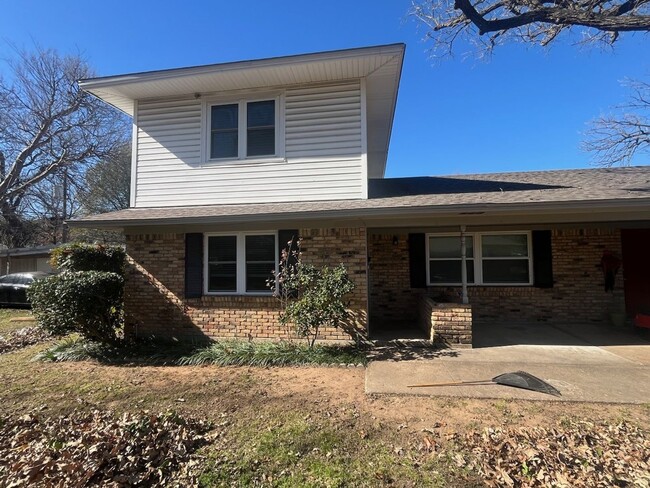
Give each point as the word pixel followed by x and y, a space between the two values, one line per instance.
pixel 17 339
pixel 574 454
pixel 99 448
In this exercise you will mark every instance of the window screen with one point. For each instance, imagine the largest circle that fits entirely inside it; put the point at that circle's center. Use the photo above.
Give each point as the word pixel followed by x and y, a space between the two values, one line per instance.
pixel 260 136
pixel 222 263
pixel 260 261
pixel 224 131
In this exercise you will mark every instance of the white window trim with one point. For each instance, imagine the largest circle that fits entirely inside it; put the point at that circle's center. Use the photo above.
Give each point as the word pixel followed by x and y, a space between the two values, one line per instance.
pixel 241 262
pixel 241 101
pixel 478 257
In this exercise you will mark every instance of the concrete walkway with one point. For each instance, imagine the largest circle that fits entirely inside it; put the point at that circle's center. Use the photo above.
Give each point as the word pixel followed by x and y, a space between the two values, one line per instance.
pixel 618 373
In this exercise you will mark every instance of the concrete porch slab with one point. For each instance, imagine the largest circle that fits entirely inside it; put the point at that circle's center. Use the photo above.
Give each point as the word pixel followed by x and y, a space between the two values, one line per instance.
pixel 611 374
pixel 577 384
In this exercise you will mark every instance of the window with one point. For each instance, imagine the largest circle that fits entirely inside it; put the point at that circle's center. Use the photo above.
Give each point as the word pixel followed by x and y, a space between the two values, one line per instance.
pixel 239 263
pixel 505 258
pixel 246 129
pixel 492 258
pixel 445 259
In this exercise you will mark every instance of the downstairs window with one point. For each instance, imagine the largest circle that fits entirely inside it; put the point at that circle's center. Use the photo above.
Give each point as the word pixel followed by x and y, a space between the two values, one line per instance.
pixel 239 263
pixel 493 258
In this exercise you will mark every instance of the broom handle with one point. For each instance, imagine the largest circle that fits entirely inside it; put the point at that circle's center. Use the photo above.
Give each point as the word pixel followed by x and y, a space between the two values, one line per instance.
pixel 453 383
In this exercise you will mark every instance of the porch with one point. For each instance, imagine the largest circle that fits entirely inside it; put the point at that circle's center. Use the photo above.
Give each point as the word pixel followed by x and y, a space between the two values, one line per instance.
pixel 570 284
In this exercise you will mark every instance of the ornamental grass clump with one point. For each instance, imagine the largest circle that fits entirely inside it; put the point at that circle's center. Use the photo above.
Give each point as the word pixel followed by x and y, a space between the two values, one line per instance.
pixel 267 354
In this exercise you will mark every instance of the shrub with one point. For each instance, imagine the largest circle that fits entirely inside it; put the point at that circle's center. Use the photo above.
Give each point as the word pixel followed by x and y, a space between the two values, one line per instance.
pixel 310 297
pixel 87 302
pixel 88 257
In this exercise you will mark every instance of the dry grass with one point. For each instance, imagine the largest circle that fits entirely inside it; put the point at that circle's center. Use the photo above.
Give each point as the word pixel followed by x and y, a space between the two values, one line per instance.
pixel 13 319
pixel 270 414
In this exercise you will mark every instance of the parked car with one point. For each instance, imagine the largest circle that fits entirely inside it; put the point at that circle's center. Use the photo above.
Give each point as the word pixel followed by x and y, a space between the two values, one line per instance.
pixel 13 287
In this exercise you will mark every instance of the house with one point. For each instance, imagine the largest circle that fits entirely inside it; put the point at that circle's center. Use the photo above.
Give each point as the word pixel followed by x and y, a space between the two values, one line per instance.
pixel 232 161
pixel 25 259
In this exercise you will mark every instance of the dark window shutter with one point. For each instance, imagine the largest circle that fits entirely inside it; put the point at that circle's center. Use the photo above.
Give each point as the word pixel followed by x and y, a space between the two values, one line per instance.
pixel 542 259
pixel 284 238
pixel 193 265
pixel 417 260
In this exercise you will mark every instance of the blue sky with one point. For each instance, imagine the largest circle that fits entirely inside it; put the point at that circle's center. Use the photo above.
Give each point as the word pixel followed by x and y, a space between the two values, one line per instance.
pixel 525 109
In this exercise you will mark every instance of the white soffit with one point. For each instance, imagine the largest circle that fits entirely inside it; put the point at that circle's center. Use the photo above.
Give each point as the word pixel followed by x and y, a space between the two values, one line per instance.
pixel 380 65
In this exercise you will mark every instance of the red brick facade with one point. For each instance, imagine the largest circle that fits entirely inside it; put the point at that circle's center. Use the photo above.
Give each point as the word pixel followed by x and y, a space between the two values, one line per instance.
pixel 577 295
pixel 155 288
pixel 155 303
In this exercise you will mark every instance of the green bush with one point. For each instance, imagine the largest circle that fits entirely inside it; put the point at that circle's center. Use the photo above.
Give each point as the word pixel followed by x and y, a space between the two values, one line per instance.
pixel 87 302
pixel 320 300
pixel 88 257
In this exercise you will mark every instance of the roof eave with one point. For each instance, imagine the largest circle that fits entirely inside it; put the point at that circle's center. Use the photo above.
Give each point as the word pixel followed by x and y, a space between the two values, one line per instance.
pixel 550 208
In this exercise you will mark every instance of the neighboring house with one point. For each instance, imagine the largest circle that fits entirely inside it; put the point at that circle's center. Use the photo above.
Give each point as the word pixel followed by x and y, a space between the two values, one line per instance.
pixel 25 259
pixel 231 161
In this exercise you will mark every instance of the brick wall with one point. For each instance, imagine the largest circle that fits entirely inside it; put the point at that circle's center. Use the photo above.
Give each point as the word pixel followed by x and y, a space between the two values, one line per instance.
pixel 577 295
pixel 447 323
pixel 155 287
pixel 392 301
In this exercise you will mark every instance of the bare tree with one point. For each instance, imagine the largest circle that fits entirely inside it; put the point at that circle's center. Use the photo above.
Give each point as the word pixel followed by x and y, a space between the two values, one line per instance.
pixel 617 137
pixel 529 21
pixel 107 183
pixel 48 125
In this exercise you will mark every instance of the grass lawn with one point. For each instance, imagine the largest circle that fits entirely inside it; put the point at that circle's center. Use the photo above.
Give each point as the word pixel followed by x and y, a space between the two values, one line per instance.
pixel 14 319
pixel 294 426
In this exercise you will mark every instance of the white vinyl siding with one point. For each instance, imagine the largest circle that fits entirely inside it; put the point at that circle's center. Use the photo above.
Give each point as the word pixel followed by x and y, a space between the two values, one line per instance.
pixel 323 150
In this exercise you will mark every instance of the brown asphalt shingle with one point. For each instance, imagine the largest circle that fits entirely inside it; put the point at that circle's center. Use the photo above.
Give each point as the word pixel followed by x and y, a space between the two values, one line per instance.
pixel 472 191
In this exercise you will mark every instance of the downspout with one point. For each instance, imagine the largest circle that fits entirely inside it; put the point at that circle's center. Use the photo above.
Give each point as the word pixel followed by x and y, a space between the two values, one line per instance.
pixel 463 264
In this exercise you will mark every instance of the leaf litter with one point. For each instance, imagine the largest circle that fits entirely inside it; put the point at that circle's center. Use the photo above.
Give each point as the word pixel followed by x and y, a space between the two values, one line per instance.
pixel 17 339
pixel 99 448
pixel 573 454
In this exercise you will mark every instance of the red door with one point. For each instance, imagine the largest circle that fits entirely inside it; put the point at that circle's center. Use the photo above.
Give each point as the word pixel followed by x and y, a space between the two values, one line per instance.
pixel 636 270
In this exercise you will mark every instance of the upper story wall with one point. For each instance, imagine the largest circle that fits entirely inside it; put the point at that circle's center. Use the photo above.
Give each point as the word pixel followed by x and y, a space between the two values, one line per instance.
pixel 322 152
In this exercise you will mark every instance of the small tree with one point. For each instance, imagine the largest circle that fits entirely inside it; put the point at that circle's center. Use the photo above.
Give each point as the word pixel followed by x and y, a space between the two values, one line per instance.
pixel 310 297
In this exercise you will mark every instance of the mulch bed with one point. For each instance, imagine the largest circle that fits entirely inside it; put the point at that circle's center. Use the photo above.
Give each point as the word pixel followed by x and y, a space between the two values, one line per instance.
pixel 100 449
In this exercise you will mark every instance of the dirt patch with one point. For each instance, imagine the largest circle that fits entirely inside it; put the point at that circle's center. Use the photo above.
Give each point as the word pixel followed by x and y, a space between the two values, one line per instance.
pixel 262 407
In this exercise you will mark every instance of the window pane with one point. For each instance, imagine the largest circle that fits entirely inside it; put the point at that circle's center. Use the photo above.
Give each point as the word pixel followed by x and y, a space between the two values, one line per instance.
pixel 222 248
pixel 224 136
pixel 261 114
pixel 260 142
pixel 449 271
pixel 449 246
pixel 506 271
pixel 222 277
pixel 260 134
pixel 222 263
pixel 224 144
pixel 225 117
pixel 257 275
pixel 260 261
pixel 504 246
pixel 260 248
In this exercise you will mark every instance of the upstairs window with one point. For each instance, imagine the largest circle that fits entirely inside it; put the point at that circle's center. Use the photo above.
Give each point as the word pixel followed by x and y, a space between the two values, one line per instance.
pixel 247 129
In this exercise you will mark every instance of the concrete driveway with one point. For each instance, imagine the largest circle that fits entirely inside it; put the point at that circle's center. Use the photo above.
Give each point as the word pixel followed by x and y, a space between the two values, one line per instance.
pixel 586 363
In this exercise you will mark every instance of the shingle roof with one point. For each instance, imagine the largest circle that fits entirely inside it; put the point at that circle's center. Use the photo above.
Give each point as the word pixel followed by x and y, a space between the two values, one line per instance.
pixel 393 195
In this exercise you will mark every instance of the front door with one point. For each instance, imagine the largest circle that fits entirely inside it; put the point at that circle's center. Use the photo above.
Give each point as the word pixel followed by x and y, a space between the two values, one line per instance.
pixel 636 270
